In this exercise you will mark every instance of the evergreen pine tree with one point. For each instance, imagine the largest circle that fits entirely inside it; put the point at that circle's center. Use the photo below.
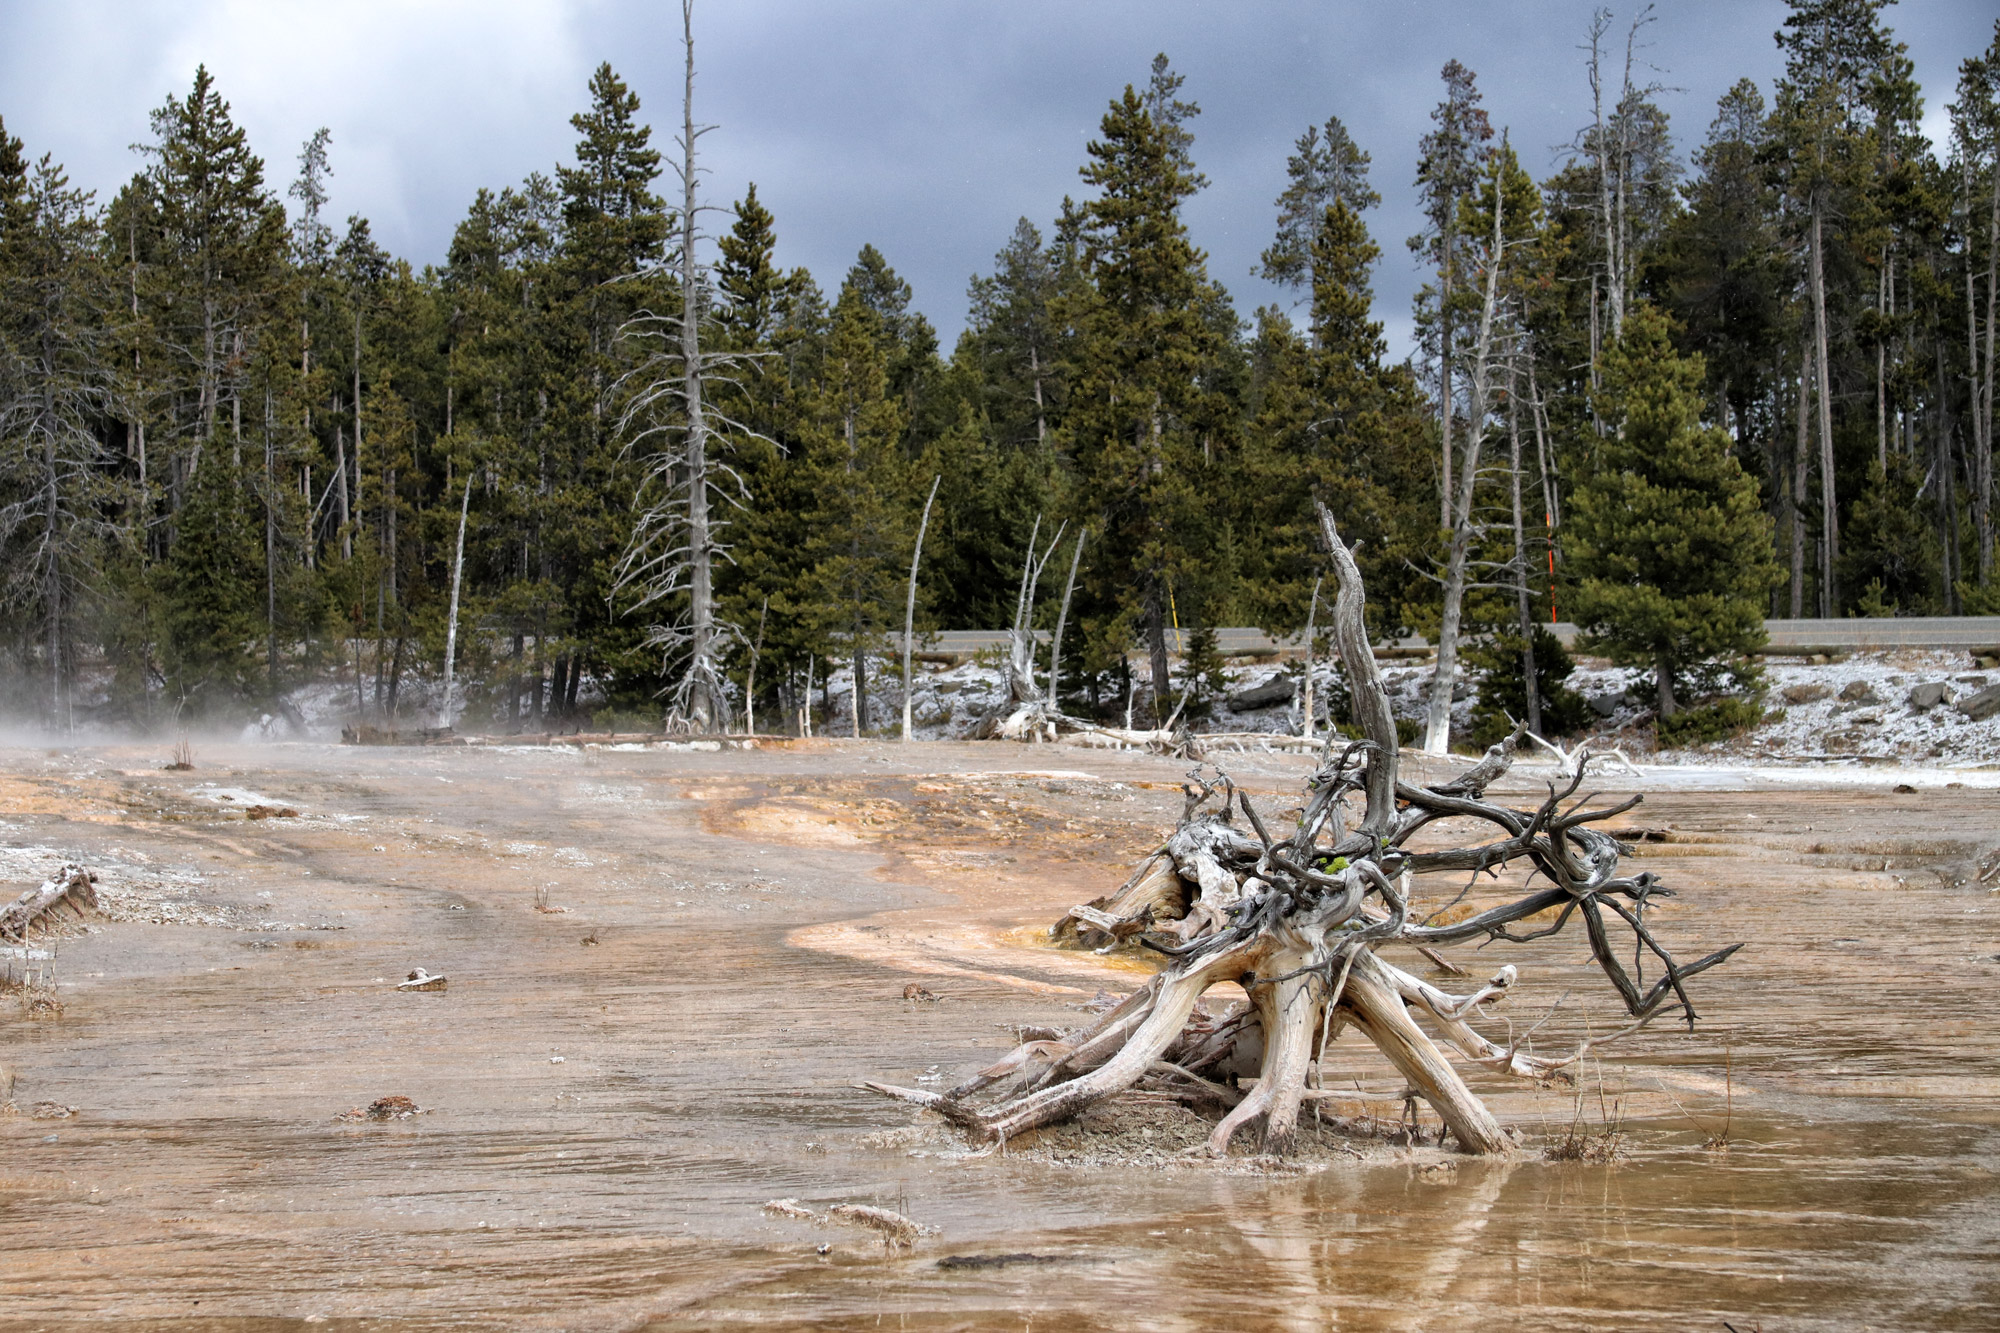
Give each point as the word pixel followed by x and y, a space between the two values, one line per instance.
pixel 859 484
pixel 212 601
pixel 58 515
pixel 1334 422
pixel 1328 168
pixel 1670 551
pixel 747 277
pixel 1145 421
pixel 1890 557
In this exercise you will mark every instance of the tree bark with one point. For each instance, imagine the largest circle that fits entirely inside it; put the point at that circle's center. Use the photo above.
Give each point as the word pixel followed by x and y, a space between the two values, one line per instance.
pixel 860 686
pixel 1156 644
pixel 1797 510
pixel 270 557
pixel 750 678
pixel 1882 367
pixel 340 493
pixel 1306 718
pixel 451 617
pixel 910 604
pixel 1829 590
pixel 706 704
pixel 1062 619
pixel 1437 733
pixel 1524 613
pixel 1366 696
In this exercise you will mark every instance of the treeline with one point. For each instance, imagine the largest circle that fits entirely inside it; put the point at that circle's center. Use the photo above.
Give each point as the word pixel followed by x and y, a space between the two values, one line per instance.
pixel 244 451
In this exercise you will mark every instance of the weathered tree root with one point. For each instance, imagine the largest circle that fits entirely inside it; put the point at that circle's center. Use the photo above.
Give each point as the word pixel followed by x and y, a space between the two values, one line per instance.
pixel 70 887
pixel 1297 923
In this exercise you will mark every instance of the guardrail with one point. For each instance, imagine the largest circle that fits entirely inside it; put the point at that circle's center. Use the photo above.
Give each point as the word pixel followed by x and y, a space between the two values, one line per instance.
pixel 1979 634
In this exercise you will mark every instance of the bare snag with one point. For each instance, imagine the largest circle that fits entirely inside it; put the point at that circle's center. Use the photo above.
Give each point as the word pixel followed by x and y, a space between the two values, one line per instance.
pixel 1300 921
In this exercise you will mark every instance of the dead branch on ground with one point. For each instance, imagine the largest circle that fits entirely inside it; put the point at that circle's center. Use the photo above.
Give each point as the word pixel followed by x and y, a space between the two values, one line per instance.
pixel 69 888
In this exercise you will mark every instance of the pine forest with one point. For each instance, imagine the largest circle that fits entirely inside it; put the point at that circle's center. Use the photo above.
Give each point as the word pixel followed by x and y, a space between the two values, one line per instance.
pixel 611 466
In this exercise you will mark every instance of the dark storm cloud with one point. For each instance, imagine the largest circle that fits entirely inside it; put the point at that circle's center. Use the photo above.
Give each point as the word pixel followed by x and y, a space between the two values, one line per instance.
pixel 923 128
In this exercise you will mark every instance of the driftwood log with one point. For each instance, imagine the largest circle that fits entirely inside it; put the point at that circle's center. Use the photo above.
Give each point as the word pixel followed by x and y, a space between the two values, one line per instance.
pixel 70 887
pixel 1299 922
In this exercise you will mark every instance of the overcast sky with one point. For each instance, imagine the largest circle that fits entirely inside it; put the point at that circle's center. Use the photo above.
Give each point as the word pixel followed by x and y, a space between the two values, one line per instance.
pixel 923 126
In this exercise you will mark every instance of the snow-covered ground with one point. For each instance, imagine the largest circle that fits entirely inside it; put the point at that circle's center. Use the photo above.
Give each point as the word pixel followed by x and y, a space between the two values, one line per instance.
pixel 1855 712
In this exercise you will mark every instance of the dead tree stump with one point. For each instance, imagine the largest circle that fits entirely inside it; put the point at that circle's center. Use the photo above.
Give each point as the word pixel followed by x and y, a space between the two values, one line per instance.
pixel 1299 921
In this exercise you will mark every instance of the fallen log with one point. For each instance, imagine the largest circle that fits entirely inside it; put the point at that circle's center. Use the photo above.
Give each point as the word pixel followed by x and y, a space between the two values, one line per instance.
pixel 70 887
pixel 1298 922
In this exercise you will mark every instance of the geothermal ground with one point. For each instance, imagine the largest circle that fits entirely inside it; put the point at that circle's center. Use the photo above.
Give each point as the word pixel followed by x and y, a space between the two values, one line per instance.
pixel 610 1092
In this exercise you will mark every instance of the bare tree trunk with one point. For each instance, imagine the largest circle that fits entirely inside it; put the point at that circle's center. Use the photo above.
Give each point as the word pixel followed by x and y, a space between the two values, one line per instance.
pixel 1366 696
pixel 357 399
pixel 1610 188
pixel 750 679
pixel 1982 453
pixel 1986 387
pixel 1947 499
pixel 1983 395
pixel 270 556
pixel 910 605
pixel 210 380
pixel 1551 488
pixel 1020 657
pixel 1021 637
pixel 451 617
pixel 706 703
pixel 860 685
pixel 340 493
pixel 1306 718
pixel 52 534
pixel 1035 375
pixel 1156 644
pixel 1062 619
pixel 1437 734
pixel 1444 382
pixel 1524 613
pixel 1882 368
pixel 1797 508
pixel 1829 592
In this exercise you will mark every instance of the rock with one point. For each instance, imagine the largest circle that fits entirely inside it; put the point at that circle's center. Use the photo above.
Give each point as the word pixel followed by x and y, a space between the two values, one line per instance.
pixel 1275 690
pixel 383 1108
pixel 1981 705
pixel 1929 695
pixel 1859 692
pixel 1975 682
pixel 1810 693
pixel 1604 705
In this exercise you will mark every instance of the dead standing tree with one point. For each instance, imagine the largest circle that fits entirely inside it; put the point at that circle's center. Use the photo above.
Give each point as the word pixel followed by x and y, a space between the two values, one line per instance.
pixel 1021 635
pixel 1300 923
pixel 676 538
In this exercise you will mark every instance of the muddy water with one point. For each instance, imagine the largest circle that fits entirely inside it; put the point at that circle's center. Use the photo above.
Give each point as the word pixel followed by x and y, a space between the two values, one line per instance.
pixel 613 1090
